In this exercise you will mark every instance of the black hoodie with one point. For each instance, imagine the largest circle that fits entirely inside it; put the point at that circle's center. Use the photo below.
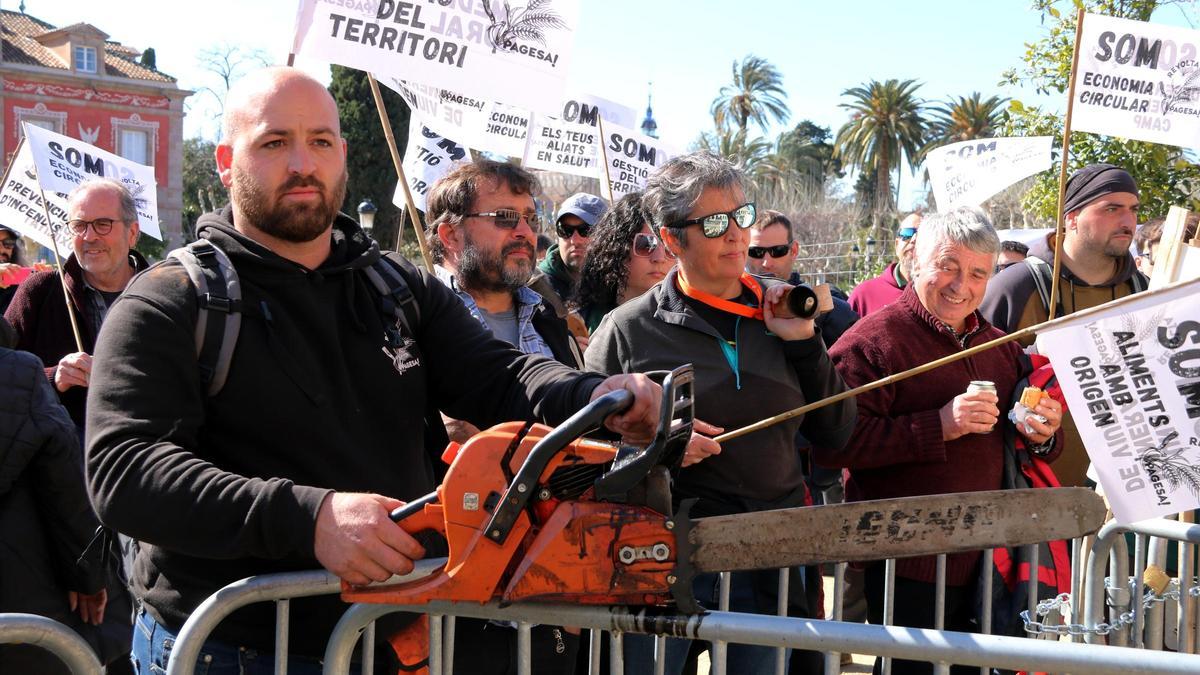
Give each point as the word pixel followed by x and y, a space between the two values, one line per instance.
pixel 222 488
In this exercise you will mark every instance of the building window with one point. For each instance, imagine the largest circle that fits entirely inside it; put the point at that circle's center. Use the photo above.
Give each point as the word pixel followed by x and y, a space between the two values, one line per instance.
pixel 41 116
pixel 133 145
pixel 135 139
pixel 85 59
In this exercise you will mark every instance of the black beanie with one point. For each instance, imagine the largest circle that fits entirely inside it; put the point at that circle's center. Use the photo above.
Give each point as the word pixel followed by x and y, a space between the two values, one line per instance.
pixel 1094 181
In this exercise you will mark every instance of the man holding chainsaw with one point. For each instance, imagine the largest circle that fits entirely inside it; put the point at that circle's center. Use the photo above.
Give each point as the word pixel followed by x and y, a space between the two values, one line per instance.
pixel 317 431
pixel 749 362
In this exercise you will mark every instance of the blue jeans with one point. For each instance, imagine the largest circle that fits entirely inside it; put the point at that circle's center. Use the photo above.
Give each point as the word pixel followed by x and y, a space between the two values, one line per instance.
pixel 153 642
pixel 741 659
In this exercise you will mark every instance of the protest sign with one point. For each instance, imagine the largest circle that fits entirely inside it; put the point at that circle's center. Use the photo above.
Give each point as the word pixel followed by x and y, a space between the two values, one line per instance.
pixel 518 54
pixel 496 127
pixel 428 157
pixel 64 162
pixel 1138 80
pixel 565 147
pixel 483 125
pixel 1131 377
pixel 970 172
pixel 632 157
pixel 21 204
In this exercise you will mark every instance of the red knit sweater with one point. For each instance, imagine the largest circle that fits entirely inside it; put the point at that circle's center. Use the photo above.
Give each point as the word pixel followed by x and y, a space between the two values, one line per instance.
pixel 897 448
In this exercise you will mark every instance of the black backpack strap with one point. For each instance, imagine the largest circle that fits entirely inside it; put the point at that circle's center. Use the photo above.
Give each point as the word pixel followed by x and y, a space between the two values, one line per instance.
pixel 219 319
pixel 399 307
pixel 1043 279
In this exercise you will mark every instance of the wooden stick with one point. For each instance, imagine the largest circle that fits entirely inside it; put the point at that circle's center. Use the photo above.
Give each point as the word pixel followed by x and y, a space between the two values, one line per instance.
pixel 892 379
pixel 418 227
pixel 604 157
pixel 1059 232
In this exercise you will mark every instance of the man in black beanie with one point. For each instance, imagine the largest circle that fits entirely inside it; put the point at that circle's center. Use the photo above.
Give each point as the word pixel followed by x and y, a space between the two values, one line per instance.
pixel 1100 217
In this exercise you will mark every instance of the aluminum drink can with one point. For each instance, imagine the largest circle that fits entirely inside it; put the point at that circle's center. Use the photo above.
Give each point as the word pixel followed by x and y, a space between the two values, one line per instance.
pixel 981 385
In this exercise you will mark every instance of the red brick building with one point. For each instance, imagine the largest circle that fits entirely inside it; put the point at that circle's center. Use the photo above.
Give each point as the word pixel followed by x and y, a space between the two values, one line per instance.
pixel 77 82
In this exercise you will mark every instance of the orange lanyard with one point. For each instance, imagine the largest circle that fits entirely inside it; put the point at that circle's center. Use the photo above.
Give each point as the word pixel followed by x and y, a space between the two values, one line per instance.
pixel 723 304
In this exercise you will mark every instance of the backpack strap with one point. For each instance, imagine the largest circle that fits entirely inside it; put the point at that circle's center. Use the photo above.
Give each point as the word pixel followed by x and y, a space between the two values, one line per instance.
pixel 1043 279
pixel 219 319
pixel 396 301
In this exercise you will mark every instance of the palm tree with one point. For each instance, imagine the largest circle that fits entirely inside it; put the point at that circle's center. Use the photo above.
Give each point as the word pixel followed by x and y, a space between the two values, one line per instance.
pixel 756 94
pixel 735 145
pixel 965 119
pixel 886 126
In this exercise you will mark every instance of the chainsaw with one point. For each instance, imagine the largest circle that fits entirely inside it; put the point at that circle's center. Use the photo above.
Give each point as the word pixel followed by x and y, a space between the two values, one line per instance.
pixel 534 513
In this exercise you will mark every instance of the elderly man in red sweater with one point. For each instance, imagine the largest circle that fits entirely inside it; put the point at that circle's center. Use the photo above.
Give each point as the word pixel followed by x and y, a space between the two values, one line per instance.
pixel 927 434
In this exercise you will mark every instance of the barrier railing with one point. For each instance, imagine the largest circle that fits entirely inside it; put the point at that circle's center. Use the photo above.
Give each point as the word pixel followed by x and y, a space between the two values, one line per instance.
pixel 54 637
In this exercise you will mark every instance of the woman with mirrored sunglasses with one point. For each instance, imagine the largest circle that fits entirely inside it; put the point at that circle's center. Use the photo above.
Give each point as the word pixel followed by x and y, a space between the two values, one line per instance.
pixel 625 259
pixel 749 363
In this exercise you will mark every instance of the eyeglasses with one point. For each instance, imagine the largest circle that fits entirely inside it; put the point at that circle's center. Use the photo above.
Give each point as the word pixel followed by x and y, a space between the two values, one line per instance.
pixel 717 224
pixel 100 226
pixel 7 243
pixel 508 219
pixel 907 233
pixel 565 231
pixel 645 244
pixel 774 251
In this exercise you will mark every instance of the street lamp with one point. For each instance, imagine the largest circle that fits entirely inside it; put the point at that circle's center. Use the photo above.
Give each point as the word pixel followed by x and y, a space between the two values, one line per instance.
pixel 366 214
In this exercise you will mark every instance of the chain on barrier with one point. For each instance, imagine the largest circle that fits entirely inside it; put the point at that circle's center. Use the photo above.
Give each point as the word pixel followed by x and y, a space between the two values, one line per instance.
pixel 1063 600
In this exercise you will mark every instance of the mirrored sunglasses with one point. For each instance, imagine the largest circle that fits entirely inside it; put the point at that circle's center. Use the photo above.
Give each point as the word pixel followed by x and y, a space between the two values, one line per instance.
pixel 645 244
pixel 717 224
pixel 906 233
pixel 508 219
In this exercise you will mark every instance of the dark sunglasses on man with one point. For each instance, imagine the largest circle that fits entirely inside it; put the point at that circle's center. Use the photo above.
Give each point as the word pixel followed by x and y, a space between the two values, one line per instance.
pixel 717 224
pixel 8 243
pixel 565 231
pixel 508 219
pixel 758 252
pixel 645 244
pixel 101 226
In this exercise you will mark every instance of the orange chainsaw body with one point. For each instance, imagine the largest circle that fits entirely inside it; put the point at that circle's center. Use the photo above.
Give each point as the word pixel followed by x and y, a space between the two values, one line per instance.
pixel 571 548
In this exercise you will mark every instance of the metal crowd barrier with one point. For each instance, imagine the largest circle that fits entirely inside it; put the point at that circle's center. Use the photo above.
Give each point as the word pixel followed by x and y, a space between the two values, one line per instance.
pixel 939 647
pixel 54 637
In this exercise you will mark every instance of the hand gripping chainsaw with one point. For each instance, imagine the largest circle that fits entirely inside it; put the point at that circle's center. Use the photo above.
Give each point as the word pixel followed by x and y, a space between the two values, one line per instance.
pixel 534 513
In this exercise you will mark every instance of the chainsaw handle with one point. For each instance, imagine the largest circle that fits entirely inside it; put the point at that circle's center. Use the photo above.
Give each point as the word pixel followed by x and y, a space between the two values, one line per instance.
pixel 517 495
pixel 412 508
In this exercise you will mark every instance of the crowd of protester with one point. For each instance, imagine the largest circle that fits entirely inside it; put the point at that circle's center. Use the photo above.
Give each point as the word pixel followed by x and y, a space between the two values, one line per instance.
pixel 329 411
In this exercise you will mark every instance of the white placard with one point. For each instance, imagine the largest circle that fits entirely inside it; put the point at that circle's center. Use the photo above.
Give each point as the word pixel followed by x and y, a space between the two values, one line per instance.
pixel 632 157
pixel 565 147
pixel 517 53
pixel 971 172
pixel 428 158
pixel 21 205
pixel 1131 377
pixel 1138 80
pixel 64 162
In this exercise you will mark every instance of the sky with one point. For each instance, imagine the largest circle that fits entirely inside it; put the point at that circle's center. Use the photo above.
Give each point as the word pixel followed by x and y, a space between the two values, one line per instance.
pixel 685 49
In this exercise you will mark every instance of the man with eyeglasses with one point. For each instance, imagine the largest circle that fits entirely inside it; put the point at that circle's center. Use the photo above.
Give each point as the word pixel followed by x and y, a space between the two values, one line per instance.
pixel 564 260
pixel 102 216
pixel 319 430
pixel 750 362
pixel 886 288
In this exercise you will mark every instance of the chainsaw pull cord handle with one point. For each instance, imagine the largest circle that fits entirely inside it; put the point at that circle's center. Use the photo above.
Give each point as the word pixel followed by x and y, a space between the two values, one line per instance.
pixel 412 508
pixel 517 495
